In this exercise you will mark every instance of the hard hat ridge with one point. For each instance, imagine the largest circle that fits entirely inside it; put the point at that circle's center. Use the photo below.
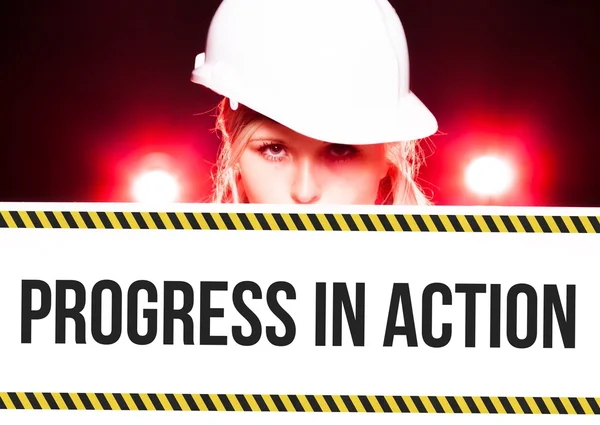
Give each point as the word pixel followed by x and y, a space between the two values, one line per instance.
pixel 397 39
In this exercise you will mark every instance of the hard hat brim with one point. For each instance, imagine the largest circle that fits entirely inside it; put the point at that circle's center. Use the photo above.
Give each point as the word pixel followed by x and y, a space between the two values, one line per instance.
pixel 409 119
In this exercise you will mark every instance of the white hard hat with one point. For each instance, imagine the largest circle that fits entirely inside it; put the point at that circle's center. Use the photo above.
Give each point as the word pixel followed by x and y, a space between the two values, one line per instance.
pixel 332 70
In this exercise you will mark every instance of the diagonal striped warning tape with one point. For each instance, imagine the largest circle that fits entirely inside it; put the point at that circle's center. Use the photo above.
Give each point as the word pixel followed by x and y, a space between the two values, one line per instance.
pixel 302 403
pixel 305 222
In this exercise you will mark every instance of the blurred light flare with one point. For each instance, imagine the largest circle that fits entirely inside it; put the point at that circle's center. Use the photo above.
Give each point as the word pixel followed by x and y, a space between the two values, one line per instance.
pixel 490 175
pixel 156 186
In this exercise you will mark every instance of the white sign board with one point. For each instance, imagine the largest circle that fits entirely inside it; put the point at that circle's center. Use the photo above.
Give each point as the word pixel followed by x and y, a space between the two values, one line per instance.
pixel 432 314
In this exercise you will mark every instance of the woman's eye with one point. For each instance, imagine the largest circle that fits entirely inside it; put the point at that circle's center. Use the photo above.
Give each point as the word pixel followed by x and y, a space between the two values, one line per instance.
pixel 273 152
pixel 341 152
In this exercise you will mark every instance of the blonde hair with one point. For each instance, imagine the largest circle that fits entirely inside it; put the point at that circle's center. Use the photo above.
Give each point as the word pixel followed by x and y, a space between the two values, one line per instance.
pixel 236 127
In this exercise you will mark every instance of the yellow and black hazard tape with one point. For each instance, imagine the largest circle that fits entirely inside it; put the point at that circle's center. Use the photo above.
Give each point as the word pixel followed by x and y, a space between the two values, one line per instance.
pixel 302 403
pixel 300 221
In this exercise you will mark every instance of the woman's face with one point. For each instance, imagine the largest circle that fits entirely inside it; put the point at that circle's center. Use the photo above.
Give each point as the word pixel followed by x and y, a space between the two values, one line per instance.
pixel 281 166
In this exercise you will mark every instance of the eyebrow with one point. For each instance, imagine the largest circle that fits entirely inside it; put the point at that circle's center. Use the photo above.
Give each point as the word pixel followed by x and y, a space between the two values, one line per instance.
pixel 266 139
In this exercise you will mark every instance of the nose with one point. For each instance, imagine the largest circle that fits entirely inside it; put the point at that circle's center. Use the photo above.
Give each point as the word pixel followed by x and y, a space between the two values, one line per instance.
pixel 305 187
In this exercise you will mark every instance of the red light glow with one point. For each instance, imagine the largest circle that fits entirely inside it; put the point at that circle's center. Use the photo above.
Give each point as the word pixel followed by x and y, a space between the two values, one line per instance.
pixel 485 159
pixel 154 164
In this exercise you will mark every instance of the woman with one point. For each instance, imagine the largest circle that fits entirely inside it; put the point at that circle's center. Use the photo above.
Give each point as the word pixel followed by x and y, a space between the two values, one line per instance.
pixel 317 106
